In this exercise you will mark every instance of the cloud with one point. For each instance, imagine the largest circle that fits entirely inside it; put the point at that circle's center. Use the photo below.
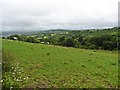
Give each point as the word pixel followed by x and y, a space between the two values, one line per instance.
pixel 63 14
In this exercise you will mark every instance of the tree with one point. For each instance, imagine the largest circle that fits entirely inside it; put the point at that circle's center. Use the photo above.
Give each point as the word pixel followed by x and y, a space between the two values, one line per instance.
pixel 61 40
pixel 3 37
pixel 23 37
pixel 69 42
pixel 30 39
pixel 80 38
pixel 12 37
pixel 76 43
pixel 109 45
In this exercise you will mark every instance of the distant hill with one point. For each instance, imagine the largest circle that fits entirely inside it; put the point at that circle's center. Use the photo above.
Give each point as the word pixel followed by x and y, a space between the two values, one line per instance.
pixel 6 33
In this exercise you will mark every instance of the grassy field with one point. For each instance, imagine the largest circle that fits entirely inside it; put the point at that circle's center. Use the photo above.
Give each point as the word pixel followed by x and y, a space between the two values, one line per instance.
pixel 35 65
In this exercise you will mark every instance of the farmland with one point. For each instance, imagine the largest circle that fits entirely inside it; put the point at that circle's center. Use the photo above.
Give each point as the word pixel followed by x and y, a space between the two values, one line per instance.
pixel 31 65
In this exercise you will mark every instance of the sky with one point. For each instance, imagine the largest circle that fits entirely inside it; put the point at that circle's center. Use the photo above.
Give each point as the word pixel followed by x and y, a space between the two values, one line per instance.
pixel 26 15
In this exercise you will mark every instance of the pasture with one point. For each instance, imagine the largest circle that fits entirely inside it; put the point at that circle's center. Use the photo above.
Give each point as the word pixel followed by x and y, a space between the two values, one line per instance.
pixel 30 65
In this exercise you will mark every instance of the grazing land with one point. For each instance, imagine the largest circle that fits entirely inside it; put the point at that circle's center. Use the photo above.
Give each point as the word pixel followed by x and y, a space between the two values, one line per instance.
pixel 31 65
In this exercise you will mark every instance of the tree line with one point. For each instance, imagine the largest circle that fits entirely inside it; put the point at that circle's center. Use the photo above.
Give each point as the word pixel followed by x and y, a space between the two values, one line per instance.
pixel 77 39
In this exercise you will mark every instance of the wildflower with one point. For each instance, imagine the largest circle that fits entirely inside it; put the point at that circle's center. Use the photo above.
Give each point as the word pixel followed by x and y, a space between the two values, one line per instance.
pixel 27 77
pixel 17 80
pixel 24 78
pixel 11 88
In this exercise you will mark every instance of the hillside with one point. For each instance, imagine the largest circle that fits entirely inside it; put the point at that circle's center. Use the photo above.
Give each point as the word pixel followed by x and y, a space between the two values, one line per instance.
pixel 104 39
pixel 32 65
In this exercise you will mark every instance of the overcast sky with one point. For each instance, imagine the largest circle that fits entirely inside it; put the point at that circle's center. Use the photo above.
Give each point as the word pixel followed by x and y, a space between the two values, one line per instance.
pixel 58 14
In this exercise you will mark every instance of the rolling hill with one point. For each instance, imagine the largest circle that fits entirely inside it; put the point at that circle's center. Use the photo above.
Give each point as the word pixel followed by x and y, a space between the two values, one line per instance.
pixel 31 65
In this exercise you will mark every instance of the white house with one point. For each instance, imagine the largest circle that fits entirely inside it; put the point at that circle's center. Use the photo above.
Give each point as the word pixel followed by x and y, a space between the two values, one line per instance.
pixel 15 38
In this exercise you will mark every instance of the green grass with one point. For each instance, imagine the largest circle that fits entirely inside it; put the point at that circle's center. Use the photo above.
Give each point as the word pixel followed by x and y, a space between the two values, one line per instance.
pixel 59 67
